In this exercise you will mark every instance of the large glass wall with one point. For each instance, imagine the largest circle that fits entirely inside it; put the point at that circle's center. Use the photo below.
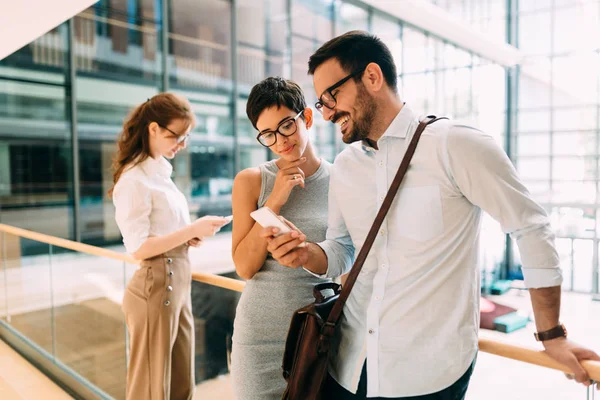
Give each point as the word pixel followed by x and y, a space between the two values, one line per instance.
pixel 487 16
pixel 119 62
pixel 36 154
pixel 557 128
pixel 555 117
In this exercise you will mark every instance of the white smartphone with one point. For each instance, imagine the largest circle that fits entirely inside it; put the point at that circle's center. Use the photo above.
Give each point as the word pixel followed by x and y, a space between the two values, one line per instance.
pixel 228 219
pixel 268 219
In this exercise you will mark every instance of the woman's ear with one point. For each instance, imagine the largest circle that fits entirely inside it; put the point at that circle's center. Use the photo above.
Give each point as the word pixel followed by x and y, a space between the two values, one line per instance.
pixel 153 129
pixel 308 117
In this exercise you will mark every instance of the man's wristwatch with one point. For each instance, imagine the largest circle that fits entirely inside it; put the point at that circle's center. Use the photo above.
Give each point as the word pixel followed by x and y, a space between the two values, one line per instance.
pixel 556 332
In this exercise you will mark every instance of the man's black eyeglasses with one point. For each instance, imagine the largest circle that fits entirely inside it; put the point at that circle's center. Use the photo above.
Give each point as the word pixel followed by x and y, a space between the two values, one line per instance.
pixel 327 99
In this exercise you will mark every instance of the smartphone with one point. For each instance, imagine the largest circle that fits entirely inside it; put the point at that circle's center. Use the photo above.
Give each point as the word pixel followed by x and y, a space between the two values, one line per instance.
pixel 268 219
pixel 228 219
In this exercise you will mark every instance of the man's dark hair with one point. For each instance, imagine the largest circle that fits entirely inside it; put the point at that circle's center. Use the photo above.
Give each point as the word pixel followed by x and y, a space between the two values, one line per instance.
pixel 355 50
pixel 271 92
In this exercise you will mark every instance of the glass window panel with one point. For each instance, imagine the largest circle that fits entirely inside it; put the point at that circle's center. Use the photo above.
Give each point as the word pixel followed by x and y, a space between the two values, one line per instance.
pixel 312 18
pixel 261 41
pixel 312 26
pixel 534 168
pixel 32 101
pixel 583 266
pixel 36 185
pixel 455 57
pixel 352 17
pixel 44 59
pixel 575 119
pixel 276 24
pixel 573 222
pixel 252 42
pixel 302 49
pixel 118 43
pixel 251 156
pixel 573 192
pixel 575 79
pixel 533 144
pixel 534 33
pixel 564 247
pixel 389 32
pixel 415 51
pixel 534 5
pixel 463 99
pixel 200 44
pixel 575 27
pixel 449 93
pixel 533 90
pixel 495 27
pixel 489 98
pixel 574 143
pixel 211 169
pixel 413 91
pixel 533 121
pixel 574 168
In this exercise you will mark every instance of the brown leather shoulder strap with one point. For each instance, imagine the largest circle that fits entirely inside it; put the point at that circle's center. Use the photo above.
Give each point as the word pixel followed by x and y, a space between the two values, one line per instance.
pixel 336 311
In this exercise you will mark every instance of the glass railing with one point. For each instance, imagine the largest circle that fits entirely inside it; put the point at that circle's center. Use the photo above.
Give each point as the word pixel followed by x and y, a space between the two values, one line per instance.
pixel 62 310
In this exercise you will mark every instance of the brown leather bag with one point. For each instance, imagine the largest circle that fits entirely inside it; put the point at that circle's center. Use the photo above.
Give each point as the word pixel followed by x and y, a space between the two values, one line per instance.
pixel 314 327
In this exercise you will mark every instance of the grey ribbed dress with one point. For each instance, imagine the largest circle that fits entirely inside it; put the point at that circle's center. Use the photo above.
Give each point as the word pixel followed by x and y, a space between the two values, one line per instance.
pixel 266 306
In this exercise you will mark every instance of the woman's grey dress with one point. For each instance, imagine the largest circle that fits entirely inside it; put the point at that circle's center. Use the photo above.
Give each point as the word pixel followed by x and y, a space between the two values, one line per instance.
pixel 270 298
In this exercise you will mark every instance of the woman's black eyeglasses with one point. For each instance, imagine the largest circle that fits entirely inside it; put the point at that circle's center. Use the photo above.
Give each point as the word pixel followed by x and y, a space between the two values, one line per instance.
pixel 327 99
pixel 286 128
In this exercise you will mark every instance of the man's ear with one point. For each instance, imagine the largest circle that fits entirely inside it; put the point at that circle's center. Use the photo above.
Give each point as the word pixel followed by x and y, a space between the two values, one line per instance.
pixel 373 77
pixel 308 117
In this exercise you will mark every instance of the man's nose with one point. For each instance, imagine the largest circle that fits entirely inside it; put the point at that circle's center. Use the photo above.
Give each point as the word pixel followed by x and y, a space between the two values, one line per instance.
pixel 328 113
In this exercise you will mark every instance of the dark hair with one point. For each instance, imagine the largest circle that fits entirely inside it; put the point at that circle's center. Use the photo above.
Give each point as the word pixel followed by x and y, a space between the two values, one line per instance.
pixel 274 91
pixel 133 142
pixel 355 50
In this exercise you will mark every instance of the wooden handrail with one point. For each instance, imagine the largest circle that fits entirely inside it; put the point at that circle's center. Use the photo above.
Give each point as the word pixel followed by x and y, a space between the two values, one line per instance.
pixel 519 353
pixel 532 356
pixel 211 279
pixel 220 281
pixel 67 244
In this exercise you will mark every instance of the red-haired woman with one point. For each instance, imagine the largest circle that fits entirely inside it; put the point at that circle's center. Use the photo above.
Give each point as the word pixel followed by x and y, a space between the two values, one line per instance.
pixel 154 220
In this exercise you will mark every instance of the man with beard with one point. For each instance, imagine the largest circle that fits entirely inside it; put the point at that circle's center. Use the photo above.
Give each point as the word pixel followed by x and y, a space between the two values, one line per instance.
pixel 410 326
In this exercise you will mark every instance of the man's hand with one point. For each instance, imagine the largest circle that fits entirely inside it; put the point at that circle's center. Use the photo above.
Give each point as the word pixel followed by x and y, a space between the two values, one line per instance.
pixel 571 354
pixel 284 248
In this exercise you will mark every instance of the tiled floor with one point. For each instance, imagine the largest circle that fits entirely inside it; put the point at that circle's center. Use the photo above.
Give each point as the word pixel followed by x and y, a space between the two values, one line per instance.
pixel 20 380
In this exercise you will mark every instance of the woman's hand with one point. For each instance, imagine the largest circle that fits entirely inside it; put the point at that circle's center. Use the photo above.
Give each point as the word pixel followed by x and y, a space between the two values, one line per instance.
pixel 195 242
pixel 287 178
pixel 206 226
